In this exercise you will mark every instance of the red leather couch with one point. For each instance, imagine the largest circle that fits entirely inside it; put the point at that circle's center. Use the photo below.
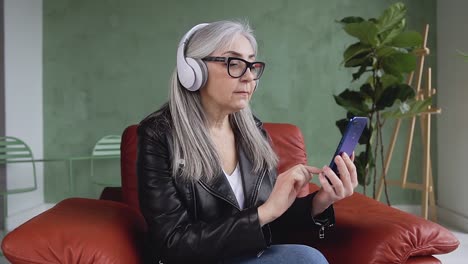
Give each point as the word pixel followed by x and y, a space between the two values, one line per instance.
pixel 111 229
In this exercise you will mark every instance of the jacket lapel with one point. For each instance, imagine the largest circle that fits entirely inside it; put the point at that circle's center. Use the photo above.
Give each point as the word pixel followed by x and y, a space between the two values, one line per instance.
pixel 251 181
pixel 221 188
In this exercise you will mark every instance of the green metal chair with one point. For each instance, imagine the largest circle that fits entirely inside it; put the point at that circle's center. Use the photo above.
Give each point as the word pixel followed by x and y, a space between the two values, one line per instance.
pixel 107 147
pixel 14 150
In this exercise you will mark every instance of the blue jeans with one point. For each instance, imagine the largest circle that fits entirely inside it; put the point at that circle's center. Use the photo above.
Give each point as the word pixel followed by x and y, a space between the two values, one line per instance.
pixel 283 254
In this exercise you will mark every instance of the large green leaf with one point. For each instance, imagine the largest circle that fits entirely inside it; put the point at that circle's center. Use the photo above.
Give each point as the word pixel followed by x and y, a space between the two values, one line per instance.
pixel 388 80
pixel 367 90
pixel 361 162
pixel 388 36
pixel 366 135
pixel 361 71
pixel 355 50
pixel 407 39
pixel 359 60
pixel 391 17
pixel 353 102
pixel 351 19
pixel 395 92
pixel 409 108
pixel 385 51
pixel 365 31
pixel 399 63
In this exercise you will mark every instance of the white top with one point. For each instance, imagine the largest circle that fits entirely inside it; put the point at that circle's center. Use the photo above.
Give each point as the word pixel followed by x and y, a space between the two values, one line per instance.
pixel 235 180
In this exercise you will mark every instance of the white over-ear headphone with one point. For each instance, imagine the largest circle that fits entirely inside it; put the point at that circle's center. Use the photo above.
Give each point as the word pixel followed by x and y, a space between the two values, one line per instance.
pixel 192 72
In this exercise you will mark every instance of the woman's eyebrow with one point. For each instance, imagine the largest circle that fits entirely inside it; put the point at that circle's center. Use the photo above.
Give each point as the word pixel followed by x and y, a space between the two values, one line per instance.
pixel 237 54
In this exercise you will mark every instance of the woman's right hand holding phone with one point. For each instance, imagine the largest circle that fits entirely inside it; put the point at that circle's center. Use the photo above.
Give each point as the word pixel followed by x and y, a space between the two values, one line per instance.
pixel 340 187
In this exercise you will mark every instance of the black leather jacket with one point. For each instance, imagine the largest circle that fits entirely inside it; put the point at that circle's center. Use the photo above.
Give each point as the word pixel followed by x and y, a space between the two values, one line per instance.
pixel 200 222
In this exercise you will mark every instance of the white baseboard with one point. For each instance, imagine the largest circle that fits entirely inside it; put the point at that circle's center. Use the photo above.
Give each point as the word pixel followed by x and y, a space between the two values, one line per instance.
pixel 452 219
pixel 13 221
pixel 445 217
pixel 409 208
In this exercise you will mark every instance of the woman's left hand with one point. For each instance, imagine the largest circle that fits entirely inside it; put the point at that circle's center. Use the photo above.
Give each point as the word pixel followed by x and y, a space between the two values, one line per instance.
pixel 341 187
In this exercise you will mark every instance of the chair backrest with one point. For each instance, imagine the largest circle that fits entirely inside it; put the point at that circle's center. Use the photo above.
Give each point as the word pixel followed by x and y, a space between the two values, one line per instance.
pixel 287 141
pixel 108 146
pixel 15 150
pixel 128 149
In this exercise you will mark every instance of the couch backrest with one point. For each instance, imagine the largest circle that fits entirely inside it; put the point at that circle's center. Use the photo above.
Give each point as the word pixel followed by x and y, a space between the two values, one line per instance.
pixel 287 140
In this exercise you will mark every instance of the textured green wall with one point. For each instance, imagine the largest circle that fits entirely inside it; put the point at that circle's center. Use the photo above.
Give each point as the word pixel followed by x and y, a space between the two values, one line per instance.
pixel 107 65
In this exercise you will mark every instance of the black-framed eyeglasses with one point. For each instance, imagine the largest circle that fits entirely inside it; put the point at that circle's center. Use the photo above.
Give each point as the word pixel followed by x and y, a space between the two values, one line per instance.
pixel 237 67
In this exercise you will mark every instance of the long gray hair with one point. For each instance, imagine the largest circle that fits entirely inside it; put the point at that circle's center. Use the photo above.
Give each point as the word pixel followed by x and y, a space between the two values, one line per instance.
pixel 192 144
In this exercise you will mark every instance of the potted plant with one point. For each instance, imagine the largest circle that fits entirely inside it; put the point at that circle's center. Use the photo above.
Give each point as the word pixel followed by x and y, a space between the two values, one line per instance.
pixel 382 56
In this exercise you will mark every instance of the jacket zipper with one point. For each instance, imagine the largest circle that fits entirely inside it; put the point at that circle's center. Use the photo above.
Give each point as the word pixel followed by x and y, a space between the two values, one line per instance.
pixel 322 232
pixel 257 188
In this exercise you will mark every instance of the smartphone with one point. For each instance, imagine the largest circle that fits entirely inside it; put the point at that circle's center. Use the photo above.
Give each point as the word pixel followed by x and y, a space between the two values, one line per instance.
pixel 349 140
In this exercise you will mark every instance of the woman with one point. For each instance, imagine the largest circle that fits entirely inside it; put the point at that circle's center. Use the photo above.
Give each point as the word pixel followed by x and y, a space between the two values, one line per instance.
pixel 207 180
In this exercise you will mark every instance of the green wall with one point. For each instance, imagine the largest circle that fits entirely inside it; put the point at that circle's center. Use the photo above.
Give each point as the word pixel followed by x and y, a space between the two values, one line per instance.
pixel 107 64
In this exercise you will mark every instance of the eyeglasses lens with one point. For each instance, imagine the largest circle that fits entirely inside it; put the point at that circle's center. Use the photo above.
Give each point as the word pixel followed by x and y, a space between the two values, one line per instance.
pixel 238 67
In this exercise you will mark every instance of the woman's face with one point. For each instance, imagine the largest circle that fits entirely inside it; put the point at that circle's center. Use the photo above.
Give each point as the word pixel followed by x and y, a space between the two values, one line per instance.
pixel 222 92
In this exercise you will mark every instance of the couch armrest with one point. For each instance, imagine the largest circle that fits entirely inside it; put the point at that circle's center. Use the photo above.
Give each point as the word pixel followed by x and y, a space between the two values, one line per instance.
pixel 368 231
pixel 79 230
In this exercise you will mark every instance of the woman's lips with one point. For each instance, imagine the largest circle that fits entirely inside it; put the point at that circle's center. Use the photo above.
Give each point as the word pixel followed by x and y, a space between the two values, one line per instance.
pixel 242 93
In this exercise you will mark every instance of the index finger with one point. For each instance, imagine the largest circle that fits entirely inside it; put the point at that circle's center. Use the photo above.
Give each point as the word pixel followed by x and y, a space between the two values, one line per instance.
pixel 313 170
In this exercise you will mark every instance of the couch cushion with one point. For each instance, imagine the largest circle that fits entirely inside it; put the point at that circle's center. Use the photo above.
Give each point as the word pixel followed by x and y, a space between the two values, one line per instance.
pixel 288 143
pixel 79 230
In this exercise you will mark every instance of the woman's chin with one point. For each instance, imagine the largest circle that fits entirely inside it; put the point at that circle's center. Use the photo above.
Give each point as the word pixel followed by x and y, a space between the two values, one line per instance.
pixel 243 104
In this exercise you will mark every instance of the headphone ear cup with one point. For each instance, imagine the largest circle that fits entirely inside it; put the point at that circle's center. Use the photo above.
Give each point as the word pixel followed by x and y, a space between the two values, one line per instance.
pixel 187 71
pixel 204 72
pixel 200 71
pixel 184 71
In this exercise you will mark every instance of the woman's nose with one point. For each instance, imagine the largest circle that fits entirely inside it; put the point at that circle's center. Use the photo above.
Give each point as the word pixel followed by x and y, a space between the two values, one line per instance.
pixel 248 75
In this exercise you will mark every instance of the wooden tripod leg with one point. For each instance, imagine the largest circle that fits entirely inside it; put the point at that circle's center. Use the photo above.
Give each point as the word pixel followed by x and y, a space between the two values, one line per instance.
pixel 425 135
pixel 426 119
pixel 432 202
pixel 409 145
